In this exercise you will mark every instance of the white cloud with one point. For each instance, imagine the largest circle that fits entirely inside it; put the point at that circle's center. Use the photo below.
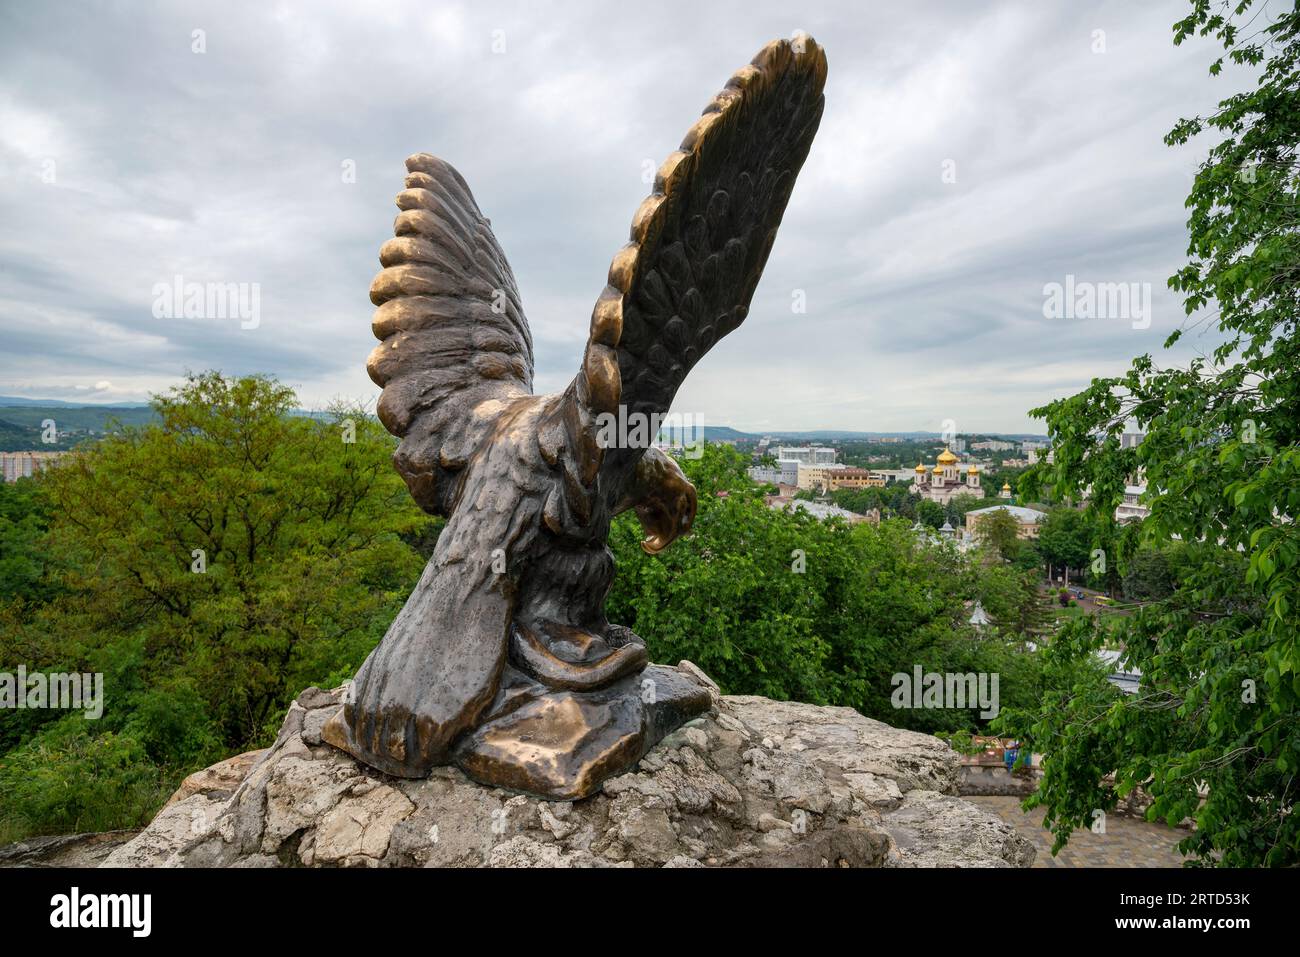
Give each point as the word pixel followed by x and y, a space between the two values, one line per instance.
pixel 924 296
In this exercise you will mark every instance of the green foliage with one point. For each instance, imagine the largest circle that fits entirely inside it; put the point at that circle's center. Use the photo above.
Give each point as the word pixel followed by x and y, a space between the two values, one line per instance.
pixel 1219 655
pixel 957 507
pixel 309 546
pixel 72 779
pixel 1149 576
pixel 1065 538
pixel 893 501
pixel 1000 532
pixel 780 604
pixel 1026 556
pixel 930 514
pixel 211 565
pixel 24 516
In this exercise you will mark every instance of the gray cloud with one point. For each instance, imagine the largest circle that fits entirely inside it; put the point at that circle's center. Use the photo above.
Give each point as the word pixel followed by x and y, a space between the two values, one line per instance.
pixel 924 297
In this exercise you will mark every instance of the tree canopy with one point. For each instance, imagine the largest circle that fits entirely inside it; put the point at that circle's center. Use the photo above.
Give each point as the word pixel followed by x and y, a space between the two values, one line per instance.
pixel 210 566
pixel 1215 732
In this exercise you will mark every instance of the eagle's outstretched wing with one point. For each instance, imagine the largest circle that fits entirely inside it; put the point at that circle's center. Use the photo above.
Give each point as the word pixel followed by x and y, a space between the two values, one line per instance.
pixel 699 242
pixel 453 331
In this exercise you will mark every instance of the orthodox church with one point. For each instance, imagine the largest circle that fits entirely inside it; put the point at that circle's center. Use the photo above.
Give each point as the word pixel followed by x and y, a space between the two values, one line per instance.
pixel 945 481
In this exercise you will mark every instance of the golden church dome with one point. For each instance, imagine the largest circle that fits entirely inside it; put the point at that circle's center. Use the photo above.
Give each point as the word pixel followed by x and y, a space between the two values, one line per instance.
pixel 938 470
pixel 920 467
pixel 947 458
pixel 972 471
pixel 1006 486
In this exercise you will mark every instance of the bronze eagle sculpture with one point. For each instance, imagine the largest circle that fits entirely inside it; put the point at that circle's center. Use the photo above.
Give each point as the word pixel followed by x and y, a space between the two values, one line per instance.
pixel 502 660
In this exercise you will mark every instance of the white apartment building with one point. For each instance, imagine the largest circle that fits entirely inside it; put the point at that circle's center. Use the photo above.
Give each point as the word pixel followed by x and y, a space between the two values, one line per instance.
pixel 18 465
pixel 785 472
pixel 807 454
pixel 1132 509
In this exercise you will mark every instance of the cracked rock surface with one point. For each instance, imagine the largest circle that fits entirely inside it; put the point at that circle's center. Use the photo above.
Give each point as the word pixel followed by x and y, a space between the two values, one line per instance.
pixel 753 783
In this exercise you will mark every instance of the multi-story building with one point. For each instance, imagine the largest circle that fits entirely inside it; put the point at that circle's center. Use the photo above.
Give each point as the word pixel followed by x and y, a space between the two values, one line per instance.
pixel 817 477
pixel 1131 508
pixel 993 445
pixel 18 465
pixel 850 477
pixel 829 478
pixel 897 475
pixel 785 472
pixel 807 454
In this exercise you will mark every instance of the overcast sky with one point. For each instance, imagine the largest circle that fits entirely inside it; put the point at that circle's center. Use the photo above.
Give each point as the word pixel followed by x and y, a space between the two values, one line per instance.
pixel 127 158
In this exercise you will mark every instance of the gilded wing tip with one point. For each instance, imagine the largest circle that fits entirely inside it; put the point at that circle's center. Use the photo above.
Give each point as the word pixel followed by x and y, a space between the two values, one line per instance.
pixel 799 59
pixel 800 51
pixel 423 163
pixel 800 55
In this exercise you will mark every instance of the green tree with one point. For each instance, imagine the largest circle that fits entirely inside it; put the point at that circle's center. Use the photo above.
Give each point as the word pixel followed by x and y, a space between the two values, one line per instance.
pixel 1065 538
pixel 1219 657
pixel 1000 531
pixel 956 509
pixel 929 513
pixel 1150 576
pixel 24 515
pixel 780 604
pixel 210 565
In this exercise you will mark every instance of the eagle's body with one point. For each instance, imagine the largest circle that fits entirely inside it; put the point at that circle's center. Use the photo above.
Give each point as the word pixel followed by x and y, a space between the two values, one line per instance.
pixel 502 659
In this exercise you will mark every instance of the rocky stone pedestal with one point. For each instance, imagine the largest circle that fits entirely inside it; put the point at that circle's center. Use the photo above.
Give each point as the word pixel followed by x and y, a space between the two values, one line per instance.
pixel 751 783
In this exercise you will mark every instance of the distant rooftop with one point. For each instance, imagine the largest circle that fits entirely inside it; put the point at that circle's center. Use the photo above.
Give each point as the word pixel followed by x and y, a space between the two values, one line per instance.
pixel 818 510
pixel 1019 512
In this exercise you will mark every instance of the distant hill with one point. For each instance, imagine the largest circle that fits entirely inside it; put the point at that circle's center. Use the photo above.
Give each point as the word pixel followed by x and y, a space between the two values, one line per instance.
pixel 14 400
pixel 725 433
pixel 13 437
pixel 76 417
pixel 20 425
pixel 822 435
pixel 825 435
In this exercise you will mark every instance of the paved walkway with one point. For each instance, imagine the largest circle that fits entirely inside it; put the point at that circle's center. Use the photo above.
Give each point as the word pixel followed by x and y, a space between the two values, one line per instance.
pixel 1127 842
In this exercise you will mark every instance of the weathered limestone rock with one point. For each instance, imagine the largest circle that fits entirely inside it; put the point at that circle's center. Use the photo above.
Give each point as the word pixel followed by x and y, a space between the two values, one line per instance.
pixel 224 776
pixel 64 850
pixel 752 783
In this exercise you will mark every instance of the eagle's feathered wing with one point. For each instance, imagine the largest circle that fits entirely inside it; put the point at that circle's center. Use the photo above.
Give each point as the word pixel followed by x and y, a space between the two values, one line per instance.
pixel 700 240
pixel 456 353
pixel 509 469
pixel 453 330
